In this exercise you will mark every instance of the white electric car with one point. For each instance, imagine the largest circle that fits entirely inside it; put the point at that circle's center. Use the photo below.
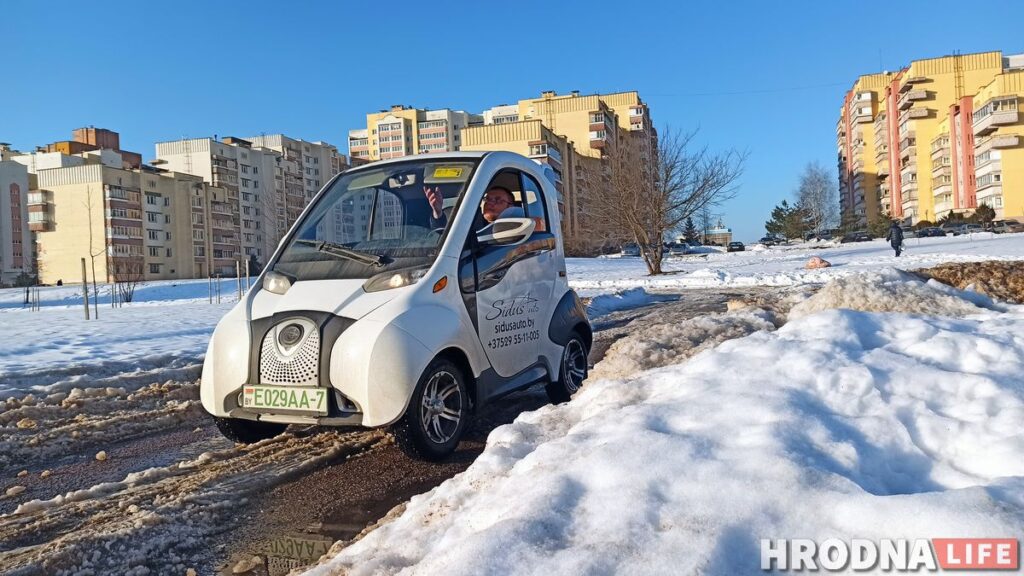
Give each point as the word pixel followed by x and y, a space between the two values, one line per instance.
pixel 376 312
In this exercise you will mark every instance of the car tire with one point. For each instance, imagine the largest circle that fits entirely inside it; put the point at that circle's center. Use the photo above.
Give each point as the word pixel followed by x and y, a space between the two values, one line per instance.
pixel 572 370
pixel 247 431
pixel 438 413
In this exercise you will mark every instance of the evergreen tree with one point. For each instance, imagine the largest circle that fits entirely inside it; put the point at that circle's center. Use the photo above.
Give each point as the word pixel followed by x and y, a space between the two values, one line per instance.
pixel 690 230
pixel 984 214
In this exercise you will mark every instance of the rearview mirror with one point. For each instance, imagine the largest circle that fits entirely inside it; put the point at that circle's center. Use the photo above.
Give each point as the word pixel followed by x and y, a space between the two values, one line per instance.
pixel 506 231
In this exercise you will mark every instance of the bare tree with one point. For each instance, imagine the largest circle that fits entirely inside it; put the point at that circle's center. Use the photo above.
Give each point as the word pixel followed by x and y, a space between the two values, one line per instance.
pixel 818 197
pixel 650 199
pixel 128 275
pixel 93 254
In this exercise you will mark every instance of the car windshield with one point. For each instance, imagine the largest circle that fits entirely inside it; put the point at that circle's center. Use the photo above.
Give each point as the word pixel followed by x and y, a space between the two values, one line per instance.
pixel 374 220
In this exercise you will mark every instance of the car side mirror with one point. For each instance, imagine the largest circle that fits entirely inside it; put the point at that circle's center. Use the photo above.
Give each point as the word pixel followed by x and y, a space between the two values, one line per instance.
pixel 506 231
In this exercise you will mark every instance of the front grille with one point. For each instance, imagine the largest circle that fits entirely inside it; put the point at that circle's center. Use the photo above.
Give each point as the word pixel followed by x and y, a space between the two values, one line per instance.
pixel 298 366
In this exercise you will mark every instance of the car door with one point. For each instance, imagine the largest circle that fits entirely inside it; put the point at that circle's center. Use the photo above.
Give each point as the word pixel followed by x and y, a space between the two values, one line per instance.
pixel 514 286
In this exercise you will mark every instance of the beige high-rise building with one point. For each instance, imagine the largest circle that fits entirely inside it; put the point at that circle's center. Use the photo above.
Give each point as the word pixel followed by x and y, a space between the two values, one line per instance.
pixel 304 168
pixel 15 235
pixel 129 224
pixel 247 174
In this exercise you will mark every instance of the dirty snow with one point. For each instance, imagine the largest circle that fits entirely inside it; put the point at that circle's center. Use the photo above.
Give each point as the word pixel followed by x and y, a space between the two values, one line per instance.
pixel 840 424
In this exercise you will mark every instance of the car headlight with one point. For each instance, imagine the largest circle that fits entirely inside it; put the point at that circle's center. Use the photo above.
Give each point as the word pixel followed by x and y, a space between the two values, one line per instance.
pixel 395 278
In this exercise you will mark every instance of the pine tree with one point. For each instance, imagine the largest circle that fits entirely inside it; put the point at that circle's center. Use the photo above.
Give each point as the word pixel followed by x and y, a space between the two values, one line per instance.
pixel 690 230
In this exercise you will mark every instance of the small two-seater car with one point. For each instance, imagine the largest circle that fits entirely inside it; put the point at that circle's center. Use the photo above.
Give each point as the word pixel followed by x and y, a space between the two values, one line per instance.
pixel 376 312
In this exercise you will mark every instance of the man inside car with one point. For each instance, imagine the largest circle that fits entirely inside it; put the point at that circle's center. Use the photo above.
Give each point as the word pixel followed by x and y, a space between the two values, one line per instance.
pixel 497 199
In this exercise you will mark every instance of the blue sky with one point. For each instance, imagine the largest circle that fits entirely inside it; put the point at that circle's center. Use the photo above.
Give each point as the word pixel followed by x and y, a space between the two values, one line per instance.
pixel 765 77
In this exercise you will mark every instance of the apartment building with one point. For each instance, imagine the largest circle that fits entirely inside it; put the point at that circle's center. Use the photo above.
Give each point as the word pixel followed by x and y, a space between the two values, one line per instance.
pixel 130 224
pixel 860 129
pixel 247 174
pixel 931 148
pixel 607 131
pixel 532 139
pixel 303 169
pixel 403 131
pixel 16 248
pixel 582 138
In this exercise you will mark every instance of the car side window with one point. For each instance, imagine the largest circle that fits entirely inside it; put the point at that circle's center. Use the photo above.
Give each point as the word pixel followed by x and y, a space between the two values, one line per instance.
pixel 533 203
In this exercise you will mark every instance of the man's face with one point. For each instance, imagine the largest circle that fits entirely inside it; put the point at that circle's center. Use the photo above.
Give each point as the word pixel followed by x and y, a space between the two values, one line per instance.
pixel 496 200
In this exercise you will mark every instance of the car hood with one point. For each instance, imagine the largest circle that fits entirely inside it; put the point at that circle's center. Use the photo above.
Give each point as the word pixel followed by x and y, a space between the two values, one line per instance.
pixel 339 297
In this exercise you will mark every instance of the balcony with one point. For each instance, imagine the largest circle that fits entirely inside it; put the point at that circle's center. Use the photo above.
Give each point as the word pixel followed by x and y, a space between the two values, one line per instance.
pixel 919 113
pixel 908 98
pixel 942 188
pixel 861 115
pixel 942 170
pixel 990 122
pixel 1006 141
pixel 909 83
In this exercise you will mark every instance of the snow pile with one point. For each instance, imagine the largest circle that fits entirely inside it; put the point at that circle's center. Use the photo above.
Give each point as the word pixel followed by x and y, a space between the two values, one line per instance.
pixel 886 291
pixel 842 424
pixel 622 300
pixel 673 342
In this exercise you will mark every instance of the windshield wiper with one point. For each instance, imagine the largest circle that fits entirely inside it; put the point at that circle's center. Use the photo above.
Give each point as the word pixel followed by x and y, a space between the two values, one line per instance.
pixel 339 250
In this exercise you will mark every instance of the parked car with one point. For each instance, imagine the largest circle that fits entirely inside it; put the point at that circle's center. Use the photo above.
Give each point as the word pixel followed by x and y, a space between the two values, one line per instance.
pixel 930 232
pixel 399 323
pixel 967 229
pixel 631 249
pixel 767 241
pixel 1006 226
pixel 855 237
pixel 735 247
pixel 678 249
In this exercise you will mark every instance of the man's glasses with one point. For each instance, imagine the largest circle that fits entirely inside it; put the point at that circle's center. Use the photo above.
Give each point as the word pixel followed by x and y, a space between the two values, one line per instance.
pixel 495 200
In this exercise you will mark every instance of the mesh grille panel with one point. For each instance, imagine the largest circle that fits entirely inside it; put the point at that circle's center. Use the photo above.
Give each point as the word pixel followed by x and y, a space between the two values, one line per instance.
pixel 300 367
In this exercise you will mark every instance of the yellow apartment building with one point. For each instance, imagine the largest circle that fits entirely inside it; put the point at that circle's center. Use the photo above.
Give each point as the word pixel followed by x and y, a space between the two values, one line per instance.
pixel 858 134
pixel 403 131
pixel 999 145
pixel 925 137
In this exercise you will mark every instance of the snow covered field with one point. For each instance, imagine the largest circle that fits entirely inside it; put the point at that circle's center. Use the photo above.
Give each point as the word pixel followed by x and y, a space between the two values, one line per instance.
pixel 840 424
pixel 173 319
pixel 878 406
pixel 784 265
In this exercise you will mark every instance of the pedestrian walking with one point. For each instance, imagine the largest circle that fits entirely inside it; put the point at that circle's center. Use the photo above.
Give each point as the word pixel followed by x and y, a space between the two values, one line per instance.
pixel 895 237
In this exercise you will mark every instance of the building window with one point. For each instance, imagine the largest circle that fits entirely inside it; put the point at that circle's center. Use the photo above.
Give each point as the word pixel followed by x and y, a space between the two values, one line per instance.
pixel 154 251
pixel 151 216
pixel 153 235
pixel 154 268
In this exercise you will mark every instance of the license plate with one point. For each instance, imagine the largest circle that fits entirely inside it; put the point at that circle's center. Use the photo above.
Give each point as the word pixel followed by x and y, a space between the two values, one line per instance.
pixel 292 399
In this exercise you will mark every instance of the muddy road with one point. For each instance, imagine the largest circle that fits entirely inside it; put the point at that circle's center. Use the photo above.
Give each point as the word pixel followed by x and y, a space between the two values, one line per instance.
pixel 131 477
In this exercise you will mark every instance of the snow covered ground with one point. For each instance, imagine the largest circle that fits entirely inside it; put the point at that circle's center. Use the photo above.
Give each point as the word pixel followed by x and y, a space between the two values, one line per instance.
pixel 878 407
pixel 841 424
pixel 54 348
pixel 784 265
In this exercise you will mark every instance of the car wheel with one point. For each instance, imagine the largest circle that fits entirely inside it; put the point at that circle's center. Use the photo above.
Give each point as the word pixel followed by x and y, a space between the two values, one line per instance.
pixel 437 415
pixel 572 370
pixel 247 431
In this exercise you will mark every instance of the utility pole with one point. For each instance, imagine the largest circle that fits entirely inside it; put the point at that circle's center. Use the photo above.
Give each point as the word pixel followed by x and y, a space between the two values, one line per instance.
pixel 85 290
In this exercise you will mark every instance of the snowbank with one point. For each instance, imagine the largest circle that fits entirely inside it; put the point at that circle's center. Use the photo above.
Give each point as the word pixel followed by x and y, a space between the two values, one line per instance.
pixel 892 291
pixel 841 424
